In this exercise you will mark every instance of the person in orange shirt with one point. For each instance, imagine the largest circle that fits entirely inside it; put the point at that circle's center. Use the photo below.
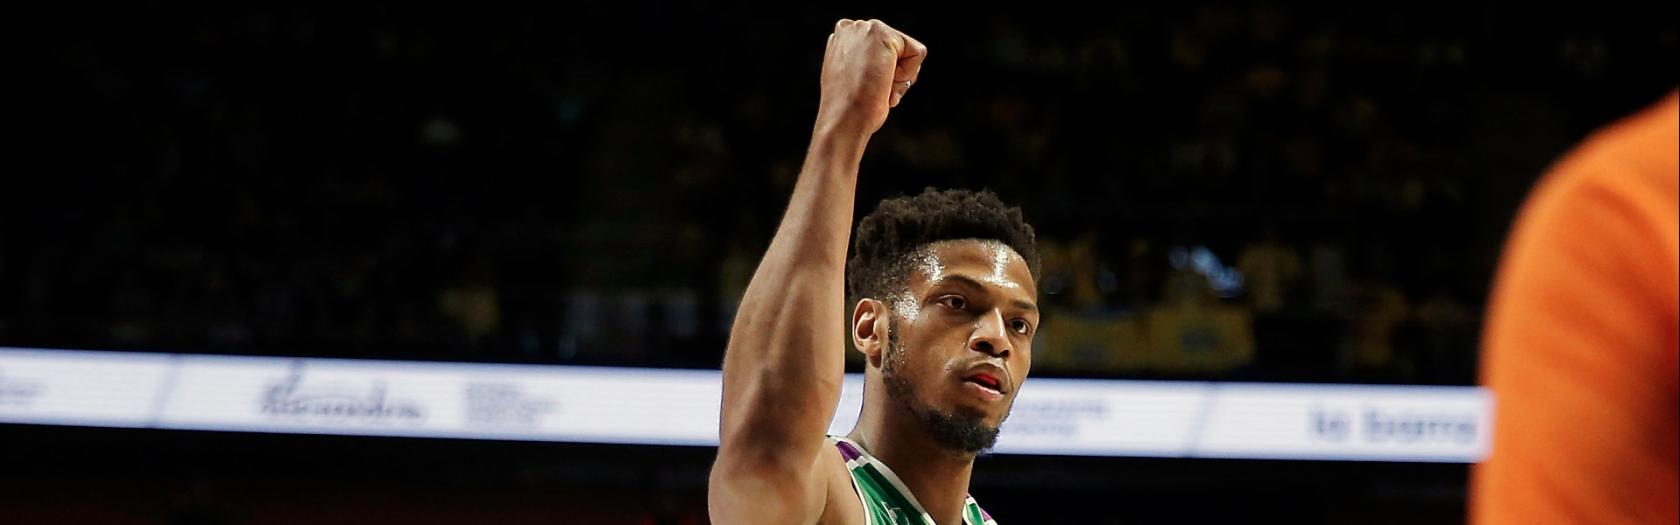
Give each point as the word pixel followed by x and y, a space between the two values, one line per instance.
pixel 1579 348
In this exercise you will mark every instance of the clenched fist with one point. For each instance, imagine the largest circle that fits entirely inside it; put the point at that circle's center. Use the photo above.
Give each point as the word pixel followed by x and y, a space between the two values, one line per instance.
pixel 867 68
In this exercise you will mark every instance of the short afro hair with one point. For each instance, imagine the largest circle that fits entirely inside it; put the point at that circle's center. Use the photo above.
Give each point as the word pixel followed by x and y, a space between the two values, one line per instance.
pixel 888 239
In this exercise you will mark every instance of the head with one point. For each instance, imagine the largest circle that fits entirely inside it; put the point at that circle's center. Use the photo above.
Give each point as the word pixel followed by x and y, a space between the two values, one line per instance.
pixel 944 288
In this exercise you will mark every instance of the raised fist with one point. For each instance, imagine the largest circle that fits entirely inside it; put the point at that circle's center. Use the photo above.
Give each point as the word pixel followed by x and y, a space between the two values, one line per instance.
pixel 867 68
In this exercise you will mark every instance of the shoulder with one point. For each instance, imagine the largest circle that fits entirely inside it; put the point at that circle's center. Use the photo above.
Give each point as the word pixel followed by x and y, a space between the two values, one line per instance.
pixel 1632 161
pixel 1608 210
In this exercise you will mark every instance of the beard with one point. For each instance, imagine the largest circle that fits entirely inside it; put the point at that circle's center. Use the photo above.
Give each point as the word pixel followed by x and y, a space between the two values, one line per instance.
pixel 966 433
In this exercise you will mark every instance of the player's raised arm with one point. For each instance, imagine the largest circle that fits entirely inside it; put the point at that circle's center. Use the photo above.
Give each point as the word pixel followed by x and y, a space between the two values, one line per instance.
pixel 785 361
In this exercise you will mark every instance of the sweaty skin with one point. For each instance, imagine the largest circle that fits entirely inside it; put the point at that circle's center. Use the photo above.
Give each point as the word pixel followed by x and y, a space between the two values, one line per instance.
pixel 972 314
pixel 927 262
pixel 1001 255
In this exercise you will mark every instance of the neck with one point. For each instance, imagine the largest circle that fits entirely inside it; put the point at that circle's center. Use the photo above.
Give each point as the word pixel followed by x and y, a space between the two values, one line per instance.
pixel 936 475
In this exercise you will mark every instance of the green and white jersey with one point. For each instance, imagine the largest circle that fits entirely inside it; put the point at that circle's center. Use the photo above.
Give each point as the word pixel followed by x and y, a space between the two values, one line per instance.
pixel 886 501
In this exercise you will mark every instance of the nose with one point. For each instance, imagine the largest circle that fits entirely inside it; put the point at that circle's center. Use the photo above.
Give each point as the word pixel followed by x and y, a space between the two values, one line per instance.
pixel 989 336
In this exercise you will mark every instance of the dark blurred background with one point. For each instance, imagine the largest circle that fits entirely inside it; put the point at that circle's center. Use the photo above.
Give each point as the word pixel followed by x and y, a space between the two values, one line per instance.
pixel 1233 192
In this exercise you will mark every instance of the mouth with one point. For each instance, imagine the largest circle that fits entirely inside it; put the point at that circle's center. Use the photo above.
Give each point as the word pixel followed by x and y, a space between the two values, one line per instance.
pixel 986 384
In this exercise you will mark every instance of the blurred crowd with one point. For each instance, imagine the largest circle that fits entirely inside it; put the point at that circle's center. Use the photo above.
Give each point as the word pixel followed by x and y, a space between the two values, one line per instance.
pixel 1228 191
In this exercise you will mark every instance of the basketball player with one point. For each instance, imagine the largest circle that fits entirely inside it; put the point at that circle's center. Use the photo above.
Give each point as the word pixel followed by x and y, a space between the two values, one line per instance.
pixel 941 291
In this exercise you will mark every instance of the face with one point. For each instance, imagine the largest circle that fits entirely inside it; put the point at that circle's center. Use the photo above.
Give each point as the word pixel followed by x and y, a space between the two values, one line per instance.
pixel 960 340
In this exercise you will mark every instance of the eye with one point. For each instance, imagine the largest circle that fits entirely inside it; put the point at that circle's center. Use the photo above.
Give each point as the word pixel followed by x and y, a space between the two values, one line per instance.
pixel 1020 326
pixel 954 302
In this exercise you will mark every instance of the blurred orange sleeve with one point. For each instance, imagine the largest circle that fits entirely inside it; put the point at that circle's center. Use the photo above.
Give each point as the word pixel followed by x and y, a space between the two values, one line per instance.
pixel 1579 347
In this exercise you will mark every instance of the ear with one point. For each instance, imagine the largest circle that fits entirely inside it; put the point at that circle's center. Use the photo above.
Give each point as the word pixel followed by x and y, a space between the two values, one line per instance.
pixel 869 329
